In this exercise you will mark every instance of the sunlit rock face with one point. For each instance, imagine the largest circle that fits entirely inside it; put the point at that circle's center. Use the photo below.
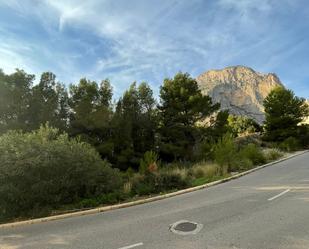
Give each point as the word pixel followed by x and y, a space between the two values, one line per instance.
pixel 306 121
pixel 239 89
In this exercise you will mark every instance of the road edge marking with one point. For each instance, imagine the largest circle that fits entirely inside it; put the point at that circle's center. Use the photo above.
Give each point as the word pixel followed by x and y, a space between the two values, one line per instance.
pixel 278 195
pixel 132 246
pixel 147 200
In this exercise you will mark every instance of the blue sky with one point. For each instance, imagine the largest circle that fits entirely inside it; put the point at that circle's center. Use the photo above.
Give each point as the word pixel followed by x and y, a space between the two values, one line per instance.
pixel 149 40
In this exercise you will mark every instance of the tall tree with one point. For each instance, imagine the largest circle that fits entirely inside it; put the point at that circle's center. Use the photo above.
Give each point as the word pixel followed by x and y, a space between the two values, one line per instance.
pixel 284 112
pixel 15 94
pixel 134 125
pixel 91 114
pixel 49 103
pixel 182 105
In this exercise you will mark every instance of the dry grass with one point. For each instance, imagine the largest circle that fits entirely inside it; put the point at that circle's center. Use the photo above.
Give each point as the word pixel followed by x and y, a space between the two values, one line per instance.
pixel 272 154
pixel 198 170
pixel 205 169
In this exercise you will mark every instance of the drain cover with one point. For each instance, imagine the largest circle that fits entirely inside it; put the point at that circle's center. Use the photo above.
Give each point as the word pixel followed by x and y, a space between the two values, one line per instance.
pixel 184 227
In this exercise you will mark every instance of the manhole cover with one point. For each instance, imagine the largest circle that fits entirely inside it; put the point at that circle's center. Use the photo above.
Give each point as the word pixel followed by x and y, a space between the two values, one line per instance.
pixel 184 227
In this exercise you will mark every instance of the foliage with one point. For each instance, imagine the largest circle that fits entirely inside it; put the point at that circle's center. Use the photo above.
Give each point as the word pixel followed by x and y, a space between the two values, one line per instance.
pixel 245 140
pixel 229 158
pixel 225 152
pixel 48 169
pixel 44 169
pixel 242 125
pixel 151 183
pixel 134 126
pixel 48 103
pixel 182 105
pixel 289 144
pixel 284 112
pixel 253 153
pixel 242 163
pixel 204 150
pixel 25 107
pixel 303 135
pixel 91 114
pixel 15 94
pixel 149 162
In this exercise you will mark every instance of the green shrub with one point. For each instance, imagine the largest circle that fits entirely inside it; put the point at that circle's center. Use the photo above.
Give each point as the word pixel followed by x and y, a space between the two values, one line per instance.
pixel 248 139
pixel 87 203
pixel 303 135
pixel 108 198
pixel 225 153
pixel 168 181
pixel 204 150
pixel 290 144
pixel 44 169
pixel 149 162
pixel 243 164
pixel 253 153
pixel 113 197
pixel 242 125
pixel 143 184
pixel 151 183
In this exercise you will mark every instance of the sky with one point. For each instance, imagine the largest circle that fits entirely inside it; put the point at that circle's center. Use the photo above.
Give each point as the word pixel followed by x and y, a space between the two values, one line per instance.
pixel 149 40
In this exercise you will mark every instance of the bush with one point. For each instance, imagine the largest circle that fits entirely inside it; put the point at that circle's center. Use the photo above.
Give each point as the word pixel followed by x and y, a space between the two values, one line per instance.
pixel 253 153
pixel 151 183
pixel 149 162
pixel 243 164
pixel 44 169
pixel 303 135
pixel 242 125
pixel 204 150
pixel 225 153
pixel 290 144
pixel 248 139
pixel 143 184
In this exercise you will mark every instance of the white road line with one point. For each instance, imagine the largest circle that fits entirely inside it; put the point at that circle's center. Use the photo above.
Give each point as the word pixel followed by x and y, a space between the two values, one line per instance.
pixel 132 246
pixel 278 195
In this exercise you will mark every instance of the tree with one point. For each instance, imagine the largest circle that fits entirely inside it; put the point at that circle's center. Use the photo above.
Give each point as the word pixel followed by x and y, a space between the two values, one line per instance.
pixel 49 103
pixel 284 112
pixel 15 94
pixel 91 114
pixel 134 126
pixel 182 105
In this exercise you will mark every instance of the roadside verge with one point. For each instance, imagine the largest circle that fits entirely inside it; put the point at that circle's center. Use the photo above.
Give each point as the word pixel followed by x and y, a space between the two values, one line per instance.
pixel 147 200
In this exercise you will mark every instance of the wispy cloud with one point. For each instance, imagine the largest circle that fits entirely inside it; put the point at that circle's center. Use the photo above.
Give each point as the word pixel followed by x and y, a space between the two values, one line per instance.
pixel 149 40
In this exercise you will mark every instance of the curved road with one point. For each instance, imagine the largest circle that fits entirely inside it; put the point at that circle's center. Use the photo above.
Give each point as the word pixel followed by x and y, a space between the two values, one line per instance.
pixel 265 209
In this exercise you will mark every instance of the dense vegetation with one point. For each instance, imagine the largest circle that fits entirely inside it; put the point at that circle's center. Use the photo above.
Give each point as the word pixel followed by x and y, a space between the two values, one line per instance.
pixel 72 148
pixel 42 169
pixel 284 115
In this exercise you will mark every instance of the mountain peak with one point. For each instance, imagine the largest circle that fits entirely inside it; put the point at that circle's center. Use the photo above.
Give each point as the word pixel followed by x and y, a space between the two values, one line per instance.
pixel 239 89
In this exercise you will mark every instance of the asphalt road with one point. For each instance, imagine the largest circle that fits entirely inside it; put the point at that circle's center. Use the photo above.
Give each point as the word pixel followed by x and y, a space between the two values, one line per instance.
pixel 266 209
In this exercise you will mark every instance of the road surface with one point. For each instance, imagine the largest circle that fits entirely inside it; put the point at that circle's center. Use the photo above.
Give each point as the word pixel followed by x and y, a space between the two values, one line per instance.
pixel 266 209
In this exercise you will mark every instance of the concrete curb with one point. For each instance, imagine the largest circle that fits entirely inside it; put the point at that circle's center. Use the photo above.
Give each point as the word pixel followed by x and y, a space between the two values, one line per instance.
pixel 147 200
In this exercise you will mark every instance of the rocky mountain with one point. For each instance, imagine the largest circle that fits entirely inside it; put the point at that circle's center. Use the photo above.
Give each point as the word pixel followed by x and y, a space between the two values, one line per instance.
pixel 239 89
